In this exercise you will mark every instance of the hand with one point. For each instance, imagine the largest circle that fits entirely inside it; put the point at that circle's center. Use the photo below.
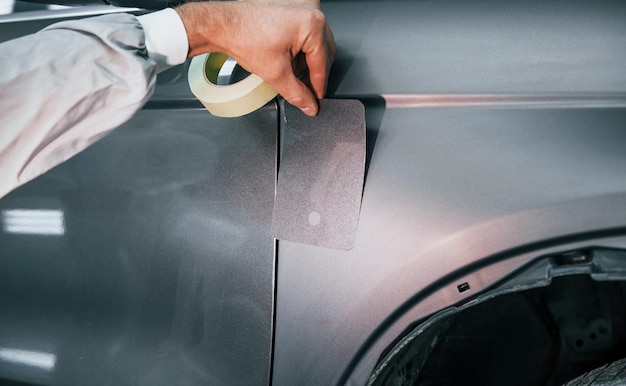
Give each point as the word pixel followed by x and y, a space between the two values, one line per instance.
pixel 265 38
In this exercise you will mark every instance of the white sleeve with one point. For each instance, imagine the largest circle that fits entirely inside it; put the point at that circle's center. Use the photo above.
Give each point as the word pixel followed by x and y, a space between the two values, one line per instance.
pixel 166 38
pixel 69 85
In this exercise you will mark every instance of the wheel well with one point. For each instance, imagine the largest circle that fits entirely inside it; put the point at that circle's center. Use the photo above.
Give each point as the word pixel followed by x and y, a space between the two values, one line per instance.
pixel 545 335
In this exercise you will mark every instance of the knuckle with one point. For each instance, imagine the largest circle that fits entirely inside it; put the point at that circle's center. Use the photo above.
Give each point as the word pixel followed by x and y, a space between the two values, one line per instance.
pixel 316 19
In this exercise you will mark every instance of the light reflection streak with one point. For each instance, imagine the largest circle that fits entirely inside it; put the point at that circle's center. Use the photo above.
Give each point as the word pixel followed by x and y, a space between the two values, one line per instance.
pixel 6 7
pixel 45 222
pixel 40 360
pixel 225 73
pixel 563 100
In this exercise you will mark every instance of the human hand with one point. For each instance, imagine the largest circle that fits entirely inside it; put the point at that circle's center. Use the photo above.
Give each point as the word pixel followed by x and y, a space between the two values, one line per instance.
pixel 265 37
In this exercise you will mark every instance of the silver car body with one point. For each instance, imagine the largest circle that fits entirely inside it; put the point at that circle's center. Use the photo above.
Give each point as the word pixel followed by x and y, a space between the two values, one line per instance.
pixel 495 136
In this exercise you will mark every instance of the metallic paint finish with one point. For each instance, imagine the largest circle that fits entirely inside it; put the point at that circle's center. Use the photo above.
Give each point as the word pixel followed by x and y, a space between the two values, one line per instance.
pixel 320 179
pixel 445 188
pixel 448 186
pixel 164 271
pixel 478 47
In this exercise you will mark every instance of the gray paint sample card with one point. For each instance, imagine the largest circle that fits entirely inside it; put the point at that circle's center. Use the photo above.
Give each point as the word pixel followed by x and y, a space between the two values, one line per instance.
pixel 321 172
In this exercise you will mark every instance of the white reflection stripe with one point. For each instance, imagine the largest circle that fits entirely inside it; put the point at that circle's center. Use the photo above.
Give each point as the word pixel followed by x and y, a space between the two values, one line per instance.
pixel 33 221
pixel 562 100
pixel 226 72
pixel 34 230
pixel 40 360
pixel 32 213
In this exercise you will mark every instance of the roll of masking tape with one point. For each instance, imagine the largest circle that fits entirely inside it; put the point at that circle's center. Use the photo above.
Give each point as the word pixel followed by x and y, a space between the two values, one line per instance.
pixel 233 100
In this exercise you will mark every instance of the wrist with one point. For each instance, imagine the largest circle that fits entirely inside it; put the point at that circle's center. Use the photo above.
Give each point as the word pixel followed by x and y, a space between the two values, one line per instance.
pixel 206 24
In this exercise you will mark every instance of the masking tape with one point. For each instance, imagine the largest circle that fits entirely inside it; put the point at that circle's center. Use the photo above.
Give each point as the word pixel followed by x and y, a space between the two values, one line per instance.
pixel 233 100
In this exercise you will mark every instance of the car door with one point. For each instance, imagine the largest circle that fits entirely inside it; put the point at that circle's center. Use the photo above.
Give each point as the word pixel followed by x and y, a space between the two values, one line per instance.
pixel 146 259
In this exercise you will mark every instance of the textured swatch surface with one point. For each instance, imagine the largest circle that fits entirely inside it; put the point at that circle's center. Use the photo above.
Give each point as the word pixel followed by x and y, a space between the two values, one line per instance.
pixel 320 177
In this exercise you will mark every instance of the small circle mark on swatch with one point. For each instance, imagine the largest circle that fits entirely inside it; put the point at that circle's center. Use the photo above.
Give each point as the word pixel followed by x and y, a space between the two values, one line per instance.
pixel 314 218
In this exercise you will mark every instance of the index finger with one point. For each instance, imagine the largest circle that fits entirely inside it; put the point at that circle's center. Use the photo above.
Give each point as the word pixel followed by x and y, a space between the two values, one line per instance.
pixel 319 61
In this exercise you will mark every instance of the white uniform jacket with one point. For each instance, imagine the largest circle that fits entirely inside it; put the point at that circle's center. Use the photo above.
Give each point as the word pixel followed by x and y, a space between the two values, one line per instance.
pixel 71 83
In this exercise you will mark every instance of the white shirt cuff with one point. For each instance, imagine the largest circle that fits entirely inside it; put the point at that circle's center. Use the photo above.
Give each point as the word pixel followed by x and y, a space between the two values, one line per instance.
pixel 166 38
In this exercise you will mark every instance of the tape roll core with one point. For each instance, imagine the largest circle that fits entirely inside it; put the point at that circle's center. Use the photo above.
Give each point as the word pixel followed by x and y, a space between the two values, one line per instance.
pixel 233 100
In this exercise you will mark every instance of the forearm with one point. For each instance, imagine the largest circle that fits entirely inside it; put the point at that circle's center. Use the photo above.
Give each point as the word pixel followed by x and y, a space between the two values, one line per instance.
pixel 71 84
pixel 64 88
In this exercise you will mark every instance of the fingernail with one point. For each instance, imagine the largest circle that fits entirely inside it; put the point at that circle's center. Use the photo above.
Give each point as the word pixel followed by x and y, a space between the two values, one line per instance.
pixel 309 111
